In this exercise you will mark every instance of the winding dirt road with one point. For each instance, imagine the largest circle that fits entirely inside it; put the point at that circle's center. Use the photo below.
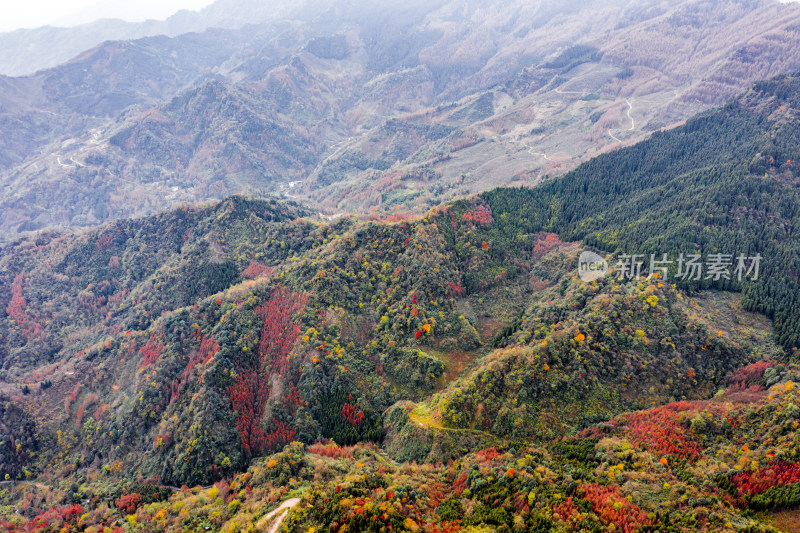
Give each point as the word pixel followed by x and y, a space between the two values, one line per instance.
pixel 633 123
pixel 281 512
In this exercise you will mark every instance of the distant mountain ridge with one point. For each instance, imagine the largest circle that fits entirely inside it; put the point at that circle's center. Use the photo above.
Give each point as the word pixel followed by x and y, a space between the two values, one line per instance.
pixel 354 107
pixel 26 51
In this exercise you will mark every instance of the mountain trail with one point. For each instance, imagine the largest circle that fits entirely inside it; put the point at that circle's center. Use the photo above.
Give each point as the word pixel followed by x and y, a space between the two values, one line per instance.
pixel 630 108
pixel 633 122
pixel 58 159
pixel 281 512
pixel 38 485
pixel 530 149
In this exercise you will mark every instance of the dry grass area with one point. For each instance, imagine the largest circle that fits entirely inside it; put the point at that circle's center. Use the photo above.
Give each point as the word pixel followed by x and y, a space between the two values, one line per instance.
pixel 723 314
pixel 422 415
pixel 787 521
pixel 455 364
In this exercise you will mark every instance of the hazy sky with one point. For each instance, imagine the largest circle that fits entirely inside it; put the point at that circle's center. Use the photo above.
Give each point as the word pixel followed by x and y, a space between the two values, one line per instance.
pixel 16 14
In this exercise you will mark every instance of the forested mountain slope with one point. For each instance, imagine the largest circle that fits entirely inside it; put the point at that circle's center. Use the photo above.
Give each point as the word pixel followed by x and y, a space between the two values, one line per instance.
pixel 181 348
pixel 726 182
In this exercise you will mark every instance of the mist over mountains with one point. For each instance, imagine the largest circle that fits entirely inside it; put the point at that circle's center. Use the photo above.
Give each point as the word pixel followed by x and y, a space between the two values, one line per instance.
pixel 358 106
pixel 26 51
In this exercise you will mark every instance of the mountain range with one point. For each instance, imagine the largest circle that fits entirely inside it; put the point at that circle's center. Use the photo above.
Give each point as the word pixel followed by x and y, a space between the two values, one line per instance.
pixel 191 347
pixel 444 266
pixel 26 51
pixel 356 107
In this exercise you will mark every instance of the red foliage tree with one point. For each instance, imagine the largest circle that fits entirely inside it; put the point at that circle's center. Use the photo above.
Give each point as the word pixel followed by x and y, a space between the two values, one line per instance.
pixel 658 431
pixel 256 270
pixel 612 507
pixel 250 392
pixel 208 349
pixel 777 475
pixel 460 484
pixel 481 215
pixel 162 441
pixel 16 310
pixel 293 399
pixel 55 517
pixel 545 244
pixel 100 411
pixel 280 435
pixel 351 414
pixel 128 503
pixel 279 331
pixel 151 351
pixel 73 395
pixel 118 297
pixel 488 454
pixel 749 375
pixel 455 289
pixel 104 242
pixel 174 390
pixel 567 510
pixel 248 396
pixel 331 450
